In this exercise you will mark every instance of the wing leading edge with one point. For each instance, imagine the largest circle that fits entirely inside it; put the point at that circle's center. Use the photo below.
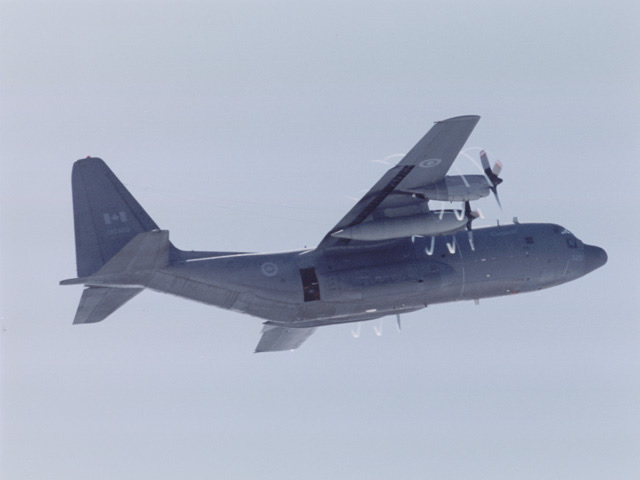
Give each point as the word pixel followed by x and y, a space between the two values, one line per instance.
pixel 426 163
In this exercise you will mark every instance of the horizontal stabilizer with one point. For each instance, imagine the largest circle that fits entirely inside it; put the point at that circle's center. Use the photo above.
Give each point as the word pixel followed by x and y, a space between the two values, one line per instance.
pixel 276 338
pixel 122 277
pixel 147 251
pixel 97 303
pixel 132 265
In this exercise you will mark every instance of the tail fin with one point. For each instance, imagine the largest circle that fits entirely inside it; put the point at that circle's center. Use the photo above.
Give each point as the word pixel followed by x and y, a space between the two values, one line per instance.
pixel 118 245
pixel 106 215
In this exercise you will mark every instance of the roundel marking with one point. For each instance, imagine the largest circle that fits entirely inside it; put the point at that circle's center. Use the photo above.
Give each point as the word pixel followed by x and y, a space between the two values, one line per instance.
pixel 429 162
pixel 269 269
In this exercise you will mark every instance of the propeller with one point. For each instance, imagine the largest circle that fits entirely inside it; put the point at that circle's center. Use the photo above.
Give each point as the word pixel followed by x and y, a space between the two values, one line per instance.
pixel 471 216
pixel 492 174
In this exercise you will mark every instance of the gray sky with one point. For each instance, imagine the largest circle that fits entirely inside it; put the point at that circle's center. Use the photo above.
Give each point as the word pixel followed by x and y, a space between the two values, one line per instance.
pixel 252 126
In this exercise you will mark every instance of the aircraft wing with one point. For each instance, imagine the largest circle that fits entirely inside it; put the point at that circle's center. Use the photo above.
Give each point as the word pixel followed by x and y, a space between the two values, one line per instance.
pixel 426 163
pixel 276 338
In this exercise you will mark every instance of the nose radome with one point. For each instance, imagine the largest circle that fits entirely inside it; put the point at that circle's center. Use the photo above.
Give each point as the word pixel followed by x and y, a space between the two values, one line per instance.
pixel 594 257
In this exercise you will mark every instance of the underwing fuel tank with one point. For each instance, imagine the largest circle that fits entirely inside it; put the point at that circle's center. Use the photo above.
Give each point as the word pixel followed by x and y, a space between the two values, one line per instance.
pixel 430 224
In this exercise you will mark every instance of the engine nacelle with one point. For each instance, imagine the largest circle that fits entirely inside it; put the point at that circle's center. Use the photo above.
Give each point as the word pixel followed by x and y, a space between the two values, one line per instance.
pixel 456 188
pixel 430 224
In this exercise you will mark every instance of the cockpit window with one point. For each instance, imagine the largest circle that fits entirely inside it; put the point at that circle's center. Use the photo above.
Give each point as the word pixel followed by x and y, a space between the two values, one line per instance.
pixel 561 230
pixel 571 242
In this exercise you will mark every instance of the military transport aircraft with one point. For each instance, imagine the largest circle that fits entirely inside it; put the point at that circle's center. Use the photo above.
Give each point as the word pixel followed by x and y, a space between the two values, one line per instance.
pixel 389 255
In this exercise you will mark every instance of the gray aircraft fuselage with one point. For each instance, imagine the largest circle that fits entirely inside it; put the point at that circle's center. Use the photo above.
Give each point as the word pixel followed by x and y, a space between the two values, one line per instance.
pixel 314 288
pixel 390 254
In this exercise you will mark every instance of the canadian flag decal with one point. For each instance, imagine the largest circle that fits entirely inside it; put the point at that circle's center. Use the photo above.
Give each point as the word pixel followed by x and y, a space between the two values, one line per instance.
pixel 110 218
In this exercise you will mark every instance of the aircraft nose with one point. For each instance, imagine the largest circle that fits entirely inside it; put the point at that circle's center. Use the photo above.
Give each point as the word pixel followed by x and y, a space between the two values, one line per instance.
pixel 594 257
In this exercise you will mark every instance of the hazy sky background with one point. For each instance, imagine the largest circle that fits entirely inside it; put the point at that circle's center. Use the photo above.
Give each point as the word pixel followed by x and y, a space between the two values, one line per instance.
pixel 254 126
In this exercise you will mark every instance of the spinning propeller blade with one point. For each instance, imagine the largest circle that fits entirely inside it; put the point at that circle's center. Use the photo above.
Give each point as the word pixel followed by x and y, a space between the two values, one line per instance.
pixel 471 216
pixel 492 174
pixel 497 168
pixel 495 194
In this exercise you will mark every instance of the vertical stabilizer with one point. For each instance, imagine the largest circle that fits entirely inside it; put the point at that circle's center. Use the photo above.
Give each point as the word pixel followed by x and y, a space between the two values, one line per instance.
pixel 106 216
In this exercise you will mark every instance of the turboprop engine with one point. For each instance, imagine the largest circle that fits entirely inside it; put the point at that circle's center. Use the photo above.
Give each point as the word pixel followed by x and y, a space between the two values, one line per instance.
pixel 456 188
pixel 463 188
pixel 429 224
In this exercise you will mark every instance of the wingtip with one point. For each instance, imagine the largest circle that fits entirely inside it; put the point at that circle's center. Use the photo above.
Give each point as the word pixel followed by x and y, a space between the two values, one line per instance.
pixel 461 118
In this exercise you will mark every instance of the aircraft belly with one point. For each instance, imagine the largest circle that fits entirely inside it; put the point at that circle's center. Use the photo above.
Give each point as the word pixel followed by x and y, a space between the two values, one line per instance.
pixel 403 279
pixel 270 304
pixel 381 290
pixel 168 282
pixel 268 309
pixel 497 278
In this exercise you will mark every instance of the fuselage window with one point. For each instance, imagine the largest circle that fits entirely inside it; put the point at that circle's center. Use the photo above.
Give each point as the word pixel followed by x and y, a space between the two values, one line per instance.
pixel 528 240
